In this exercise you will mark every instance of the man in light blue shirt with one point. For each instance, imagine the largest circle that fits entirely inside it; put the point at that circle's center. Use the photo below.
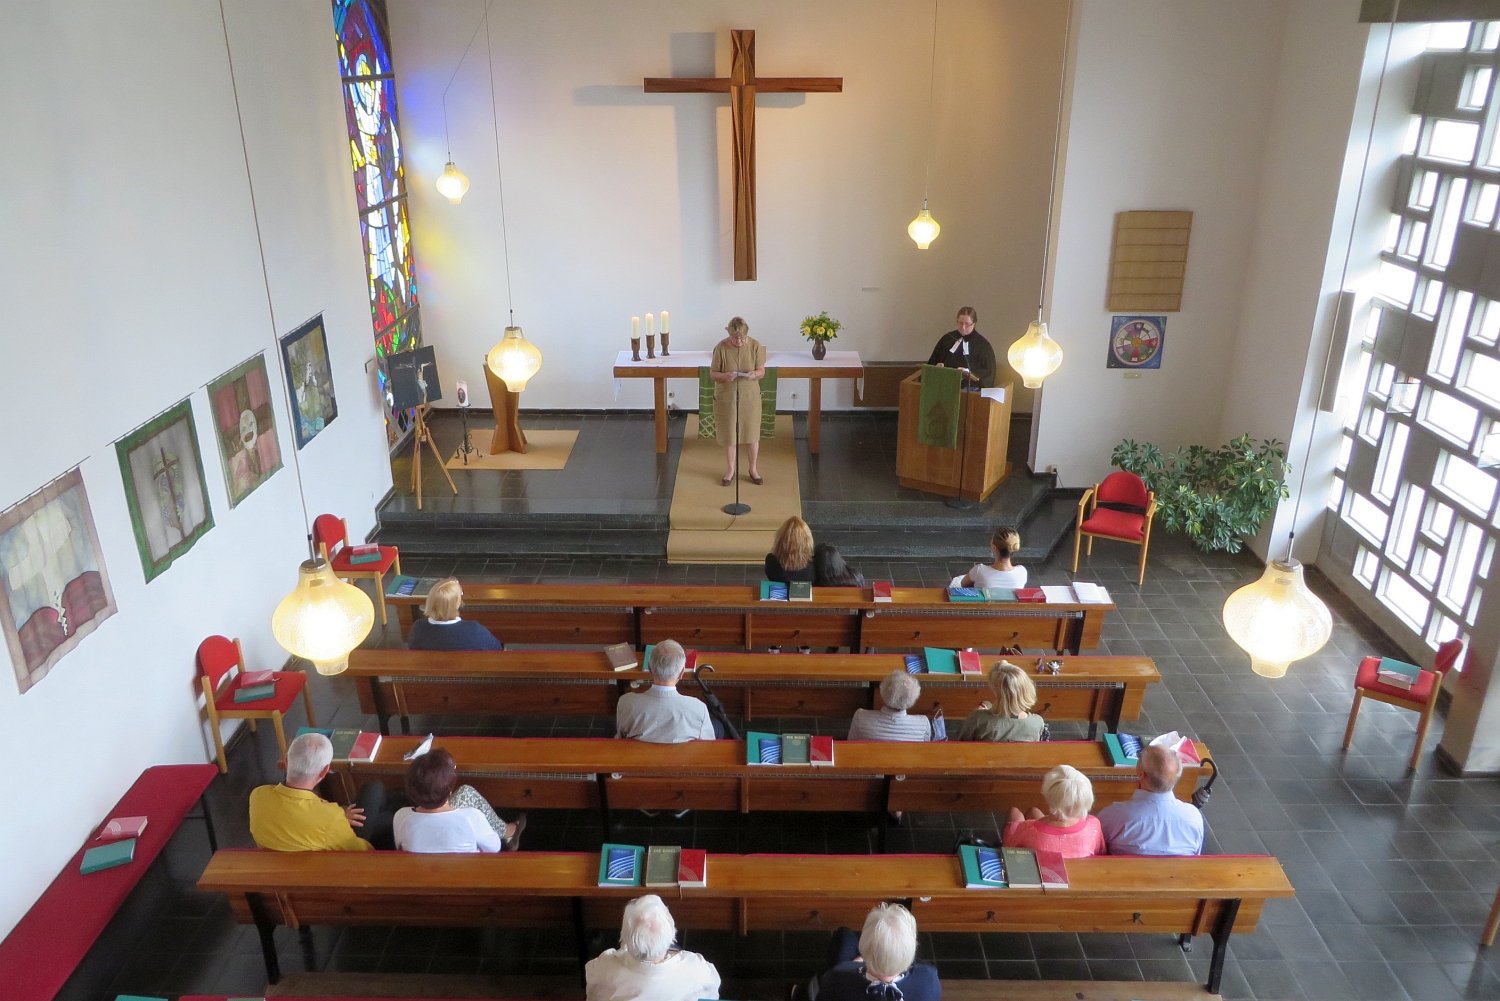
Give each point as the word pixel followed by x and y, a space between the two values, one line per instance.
pixel 1154 821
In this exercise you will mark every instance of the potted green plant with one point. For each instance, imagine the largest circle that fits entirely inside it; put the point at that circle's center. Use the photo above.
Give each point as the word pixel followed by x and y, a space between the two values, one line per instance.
pixel 820 330
pixel 1216 496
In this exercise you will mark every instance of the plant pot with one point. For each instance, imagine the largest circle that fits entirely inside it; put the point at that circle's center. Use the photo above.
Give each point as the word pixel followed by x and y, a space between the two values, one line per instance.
pixel 820 349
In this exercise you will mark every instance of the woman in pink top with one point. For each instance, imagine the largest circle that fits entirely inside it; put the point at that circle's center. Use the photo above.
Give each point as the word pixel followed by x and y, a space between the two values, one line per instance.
pixel 1068 829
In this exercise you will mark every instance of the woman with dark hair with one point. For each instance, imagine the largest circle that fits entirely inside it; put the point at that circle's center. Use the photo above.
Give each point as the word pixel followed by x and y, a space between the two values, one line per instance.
pixel 446 817
pixel 1004 544
pixel 830 570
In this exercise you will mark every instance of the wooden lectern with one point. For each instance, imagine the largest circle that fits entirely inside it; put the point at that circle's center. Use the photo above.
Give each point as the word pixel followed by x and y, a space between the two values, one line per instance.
pixel 972 470
pixel 508 434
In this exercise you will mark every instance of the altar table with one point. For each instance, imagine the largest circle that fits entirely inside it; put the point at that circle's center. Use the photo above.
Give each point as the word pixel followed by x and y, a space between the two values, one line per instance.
pixel 789 365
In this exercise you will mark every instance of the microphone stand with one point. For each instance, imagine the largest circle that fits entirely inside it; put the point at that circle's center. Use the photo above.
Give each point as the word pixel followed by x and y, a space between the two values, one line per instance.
pixel 962 503
pixel 736 508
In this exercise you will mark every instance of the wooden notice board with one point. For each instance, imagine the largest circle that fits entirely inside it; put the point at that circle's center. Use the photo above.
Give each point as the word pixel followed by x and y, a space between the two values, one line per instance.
pixel 1150 261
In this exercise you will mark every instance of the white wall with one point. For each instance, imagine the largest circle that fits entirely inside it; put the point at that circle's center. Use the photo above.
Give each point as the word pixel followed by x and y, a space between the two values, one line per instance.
pixel 1186 131
pixel 133 279
pixel 618 201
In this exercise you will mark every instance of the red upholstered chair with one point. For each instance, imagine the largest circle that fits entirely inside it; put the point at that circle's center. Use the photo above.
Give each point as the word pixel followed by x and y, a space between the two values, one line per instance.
pixel 331 536
pixel 1120 508
pixel 1421 699
pixel 217 656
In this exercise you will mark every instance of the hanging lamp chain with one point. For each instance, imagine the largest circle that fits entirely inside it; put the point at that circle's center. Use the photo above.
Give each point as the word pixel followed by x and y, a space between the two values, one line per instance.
pixel 489 51
pixel 473 35
pixel 931 85
pixel 1062 91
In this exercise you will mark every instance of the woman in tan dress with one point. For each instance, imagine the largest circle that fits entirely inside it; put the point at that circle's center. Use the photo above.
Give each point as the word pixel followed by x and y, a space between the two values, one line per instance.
pixel 739 363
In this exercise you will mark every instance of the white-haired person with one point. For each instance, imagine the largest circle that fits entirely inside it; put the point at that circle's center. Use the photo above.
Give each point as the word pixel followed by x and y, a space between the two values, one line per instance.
pixel 1154 821
pixel 879 964
pixel 441 628
pixel 292 817
pixel 1007 716
pixel 1067 827
pixel 899 691
pixel 661 714
pixel 646 967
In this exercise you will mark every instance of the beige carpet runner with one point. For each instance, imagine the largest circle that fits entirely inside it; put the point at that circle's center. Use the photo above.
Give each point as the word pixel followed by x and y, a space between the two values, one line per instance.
pixel 700 531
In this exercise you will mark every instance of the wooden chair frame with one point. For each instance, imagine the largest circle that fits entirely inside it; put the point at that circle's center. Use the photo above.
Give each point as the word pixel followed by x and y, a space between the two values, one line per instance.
pixel 378 576
pixel 274 715
pixel 1085 508
pixel 1425 709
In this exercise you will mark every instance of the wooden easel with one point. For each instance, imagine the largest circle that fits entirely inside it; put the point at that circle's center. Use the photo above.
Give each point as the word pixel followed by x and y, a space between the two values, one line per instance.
pixel 420 434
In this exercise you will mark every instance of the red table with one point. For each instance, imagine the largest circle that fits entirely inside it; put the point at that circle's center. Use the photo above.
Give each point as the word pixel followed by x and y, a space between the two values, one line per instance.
pixel 45 947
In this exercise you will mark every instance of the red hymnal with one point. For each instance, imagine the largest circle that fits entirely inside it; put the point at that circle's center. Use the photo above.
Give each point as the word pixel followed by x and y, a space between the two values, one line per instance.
pixel 1031 594
pixel 122 827
pixel 252 678
pixel 1054 869
pixel 968 662
pixel 820 750
pixel 880 590
pixel 692 661
pixel 692 867
pixel 365 746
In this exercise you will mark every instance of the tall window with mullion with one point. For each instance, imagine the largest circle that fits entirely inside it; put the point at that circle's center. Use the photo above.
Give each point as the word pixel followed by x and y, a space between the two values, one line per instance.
pixel 379 180
pixel 1415 485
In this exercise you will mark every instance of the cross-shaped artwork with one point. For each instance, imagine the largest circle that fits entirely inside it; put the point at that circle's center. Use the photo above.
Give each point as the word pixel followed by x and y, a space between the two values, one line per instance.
pixel 742 85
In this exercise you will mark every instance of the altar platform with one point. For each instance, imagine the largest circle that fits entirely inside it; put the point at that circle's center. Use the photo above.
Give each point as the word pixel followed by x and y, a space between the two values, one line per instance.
pixel 614 495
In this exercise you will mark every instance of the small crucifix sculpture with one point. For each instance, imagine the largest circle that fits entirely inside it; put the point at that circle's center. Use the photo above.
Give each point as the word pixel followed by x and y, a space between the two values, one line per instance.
pixel 742 85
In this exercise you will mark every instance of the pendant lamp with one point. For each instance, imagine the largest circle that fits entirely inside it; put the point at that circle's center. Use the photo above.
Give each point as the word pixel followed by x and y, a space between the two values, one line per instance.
pixel 323 618
pixel 1035 355
pixel 514 359
pixel 1277 620
pixel 924 228
pixel 453 183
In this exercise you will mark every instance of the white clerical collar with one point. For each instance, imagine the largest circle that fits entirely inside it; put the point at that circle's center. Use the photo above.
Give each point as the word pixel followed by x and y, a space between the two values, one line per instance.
pixel 962 342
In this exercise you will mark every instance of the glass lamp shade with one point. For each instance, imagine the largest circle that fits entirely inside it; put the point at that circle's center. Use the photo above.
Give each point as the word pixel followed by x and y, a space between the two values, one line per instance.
pixel 452 183
pixel 514 359
pixel 1035 355
pixel 1277 619
pixel 323 619
pixel 923 229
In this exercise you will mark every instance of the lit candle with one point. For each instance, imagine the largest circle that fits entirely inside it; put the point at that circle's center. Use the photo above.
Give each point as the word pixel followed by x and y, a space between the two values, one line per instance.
pixel 665 316
pixel 635 328
pixel 650 325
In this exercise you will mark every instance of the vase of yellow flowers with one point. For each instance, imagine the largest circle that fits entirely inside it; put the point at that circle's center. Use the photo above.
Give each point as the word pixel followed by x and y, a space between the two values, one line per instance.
pixel 820 330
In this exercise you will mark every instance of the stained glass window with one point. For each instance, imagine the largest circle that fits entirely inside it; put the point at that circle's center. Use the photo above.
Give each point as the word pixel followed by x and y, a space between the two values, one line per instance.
pixel 379 178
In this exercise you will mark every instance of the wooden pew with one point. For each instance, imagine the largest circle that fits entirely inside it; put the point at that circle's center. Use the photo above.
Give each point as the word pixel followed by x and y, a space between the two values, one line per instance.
pixel 867 776
pixel 1182 896
pixel 580 682
pixel 733 616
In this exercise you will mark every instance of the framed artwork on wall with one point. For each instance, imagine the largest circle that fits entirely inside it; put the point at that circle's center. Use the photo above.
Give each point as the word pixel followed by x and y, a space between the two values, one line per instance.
pixel 310 379
pixel 245 426
pixel 1136 341
pixel 54 590
pixel 164 487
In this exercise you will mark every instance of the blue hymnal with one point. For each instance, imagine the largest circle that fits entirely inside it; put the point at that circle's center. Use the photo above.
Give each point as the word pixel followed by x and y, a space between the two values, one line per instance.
pixel 913 664
pixel 770 751
pixel 989 865
pixel 621 863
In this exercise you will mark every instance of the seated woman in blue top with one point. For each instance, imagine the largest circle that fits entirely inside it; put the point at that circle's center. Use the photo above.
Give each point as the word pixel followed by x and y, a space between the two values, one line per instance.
pixel 879 964
pixel 442 629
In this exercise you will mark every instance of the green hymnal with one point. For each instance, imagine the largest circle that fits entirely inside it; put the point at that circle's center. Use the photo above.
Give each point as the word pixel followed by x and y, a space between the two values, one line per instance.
pixel 1021 870
pixel 795 749
pixel 999 593
pixel 254 693
pixel 799 590
pixel 661 865
pixel 343 743
pixel 108 856
pixel 982 867
pixel 940 661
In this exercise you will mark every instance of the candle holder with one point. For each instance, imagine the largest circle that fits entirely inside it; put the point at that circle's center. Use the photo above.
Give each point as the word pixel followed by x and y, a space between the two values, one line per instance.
pixel 664 338
pixel 650 345
pixel 635 349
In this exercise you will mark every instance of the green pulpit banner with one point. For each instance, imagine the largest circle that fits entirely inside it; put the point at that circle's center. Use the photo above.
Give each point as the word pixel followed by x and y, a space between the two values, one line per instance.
pixel 939 406
pixel 706 425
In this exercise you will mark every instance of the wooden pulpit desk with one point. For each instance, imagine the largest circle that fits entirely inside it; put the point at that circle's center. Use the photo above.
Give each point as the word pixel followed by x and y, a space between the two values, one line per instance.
pixel 972 470
pixel 788 365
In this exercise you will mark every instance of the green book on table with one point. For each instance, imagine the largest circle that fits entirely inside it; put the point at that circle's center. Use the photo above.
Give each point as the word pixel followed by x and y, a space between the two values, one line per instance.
pixel 940 661
pixel 983 868
pixel 254 693
pixel 343 743
pixel 1021 870
pixel 999 593
pixel 107 856
pixel 621 865
pixel 800 590
pixel 796 749
pixel 771 590
pixel 1124 749
pixel 762 748
pixel 965 594
pixel 325 731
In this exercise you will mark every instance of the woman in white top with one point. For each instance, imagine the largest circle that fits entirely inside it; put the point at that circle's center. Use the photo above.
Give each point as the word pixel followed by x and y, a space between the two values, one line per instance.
pixel 446 819
pixel 1005 543
pixel 645 967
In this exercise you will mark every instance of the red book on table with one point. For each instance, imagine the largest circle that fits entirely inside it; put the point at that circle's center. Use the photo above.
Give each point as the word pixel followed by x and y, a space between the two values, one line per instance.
pixel 880 591
pixel 1034 595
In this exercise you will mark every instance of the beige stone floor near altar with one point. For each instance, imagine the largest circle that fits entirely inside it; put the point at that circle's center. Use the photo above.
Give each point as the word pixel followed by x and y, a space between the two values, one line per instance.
pixel 700 531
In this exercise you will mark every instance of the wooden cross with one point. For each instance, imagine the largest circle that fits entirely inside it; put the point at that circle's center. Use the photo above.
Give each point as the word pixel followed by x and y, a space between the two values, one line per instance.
pixel 742 85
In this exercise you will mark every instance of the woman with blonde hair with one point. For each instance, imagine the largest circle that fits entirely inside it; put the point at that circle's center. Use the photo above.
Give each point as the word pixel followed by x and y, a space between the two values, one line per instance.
pixel 1067 827
pixel 791 556
pixel 1004 545
pixel 1007 717
pixel 442 629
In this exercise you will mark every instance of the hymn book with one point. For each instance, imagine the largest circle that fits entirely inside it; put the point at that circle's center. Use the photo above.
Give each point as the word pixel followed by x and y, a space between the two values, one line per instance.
pixel 983 868
pixel 1021 869
pixel 880 592
pixel 662 865
pixel 621 865
pixel 621 657
pixel 122 827
pixel 692 867
pixel 107 856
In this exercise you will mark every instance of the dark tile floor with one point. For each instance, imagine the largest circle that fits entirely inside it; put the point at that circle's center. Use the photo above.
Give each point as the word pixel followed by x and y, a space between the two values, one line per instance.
pixel 1394 872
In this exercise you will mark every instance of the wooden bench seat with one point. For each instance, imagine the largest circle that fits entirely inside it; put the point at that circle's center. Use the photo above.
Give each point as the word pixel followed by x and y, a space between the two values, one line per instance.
pixel 1095 690
pixel 733 616
pixel 1181 896
pixel 867 776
